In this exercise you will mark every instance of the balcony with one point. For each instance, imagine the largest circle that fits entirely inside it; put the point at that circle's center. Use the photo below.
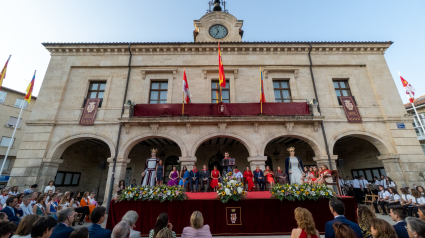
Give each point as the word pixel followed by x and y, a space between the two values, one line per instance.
pixel 206 113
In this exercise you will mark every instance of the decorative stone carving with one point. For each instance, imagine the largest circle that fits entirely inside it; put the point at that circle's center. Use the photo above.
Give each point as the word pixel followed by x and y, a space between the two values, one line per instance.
pixel 154 128
pixel 279 70
pixel 289 126
pixel 159 71
pixel 127 128
pixel 222 127
pixel 206 71
pixel 256 127
pixel 316 126
pixel 188 128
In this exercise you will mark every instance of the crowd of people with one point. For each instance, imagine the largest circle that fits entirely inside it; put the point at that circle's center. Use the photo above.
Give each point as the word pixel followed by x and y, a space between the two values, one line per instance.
pixel 23 210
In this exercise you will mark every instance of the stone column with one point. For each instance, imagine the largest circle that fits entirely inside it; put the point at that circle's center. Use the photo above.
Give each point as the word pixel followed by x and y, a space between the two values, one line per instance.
pixel 324 159
pixel 47 173
pixel 257 160
pixel 188 161
pixel 391 164
pixel 120 169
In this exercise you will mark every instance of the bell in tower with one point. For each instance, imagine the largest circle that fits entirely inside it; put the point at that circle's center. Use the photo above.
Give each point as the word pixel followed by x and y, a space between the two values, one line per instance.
pixel 217 6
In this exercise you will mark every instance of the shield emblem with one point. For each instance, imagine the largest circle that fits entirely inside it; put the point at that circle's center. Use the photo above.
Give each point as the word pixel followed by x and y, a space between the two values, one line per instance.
pixel 349 105
pixel 91 107
pixel 233 217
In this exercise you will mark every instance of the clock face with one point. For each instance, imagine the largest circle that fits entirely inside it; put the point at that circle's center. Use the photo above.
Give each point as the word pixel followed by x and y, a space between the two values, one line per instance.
pixel 218 31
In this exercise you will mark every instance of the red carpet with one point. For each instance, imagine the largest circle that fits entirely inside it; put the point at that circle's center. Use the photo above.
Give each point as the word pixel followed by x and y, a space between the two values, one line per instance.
pixel 213 195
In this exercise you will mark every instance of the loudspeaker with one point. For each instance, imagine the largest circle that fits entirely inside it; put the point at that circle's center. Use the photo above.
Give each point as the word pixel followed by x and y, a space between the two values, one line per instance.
pixel 102 165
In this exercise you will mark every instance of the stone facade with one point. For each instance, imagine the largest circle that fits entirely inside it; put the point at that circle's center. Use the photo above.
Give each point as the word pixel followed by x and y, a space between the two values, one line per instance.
pixel 53 126
pixel 8 109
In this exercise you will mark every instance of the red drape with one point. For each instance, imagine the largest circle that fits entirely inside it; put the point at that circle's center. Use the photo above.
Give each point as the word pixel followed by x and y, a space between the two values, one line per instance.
pixel 231 109
pixel 259 216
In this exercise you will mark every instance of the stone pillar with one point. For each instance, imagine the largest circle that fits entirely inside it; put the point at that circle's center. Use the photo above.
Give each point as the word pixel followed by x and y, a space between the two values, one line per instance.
pixel 48 171
pixel 257 160
pixel 391 164
pixel 188 161
pixel 324 159
pixel 120 170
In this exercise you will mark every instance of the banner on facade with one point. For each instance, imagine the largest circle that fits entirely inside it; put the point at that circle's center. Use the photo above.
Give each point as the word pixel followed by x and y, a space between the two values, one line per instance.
pixel 233 216
pixel 89 112
pixel 351 110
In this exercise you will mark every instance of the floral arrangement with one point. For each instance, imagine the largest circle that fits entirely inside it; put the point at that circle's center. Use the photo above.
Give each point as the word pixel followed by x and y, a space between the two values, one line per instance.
pixel 158 193
pixel 230 189
pixel 302 192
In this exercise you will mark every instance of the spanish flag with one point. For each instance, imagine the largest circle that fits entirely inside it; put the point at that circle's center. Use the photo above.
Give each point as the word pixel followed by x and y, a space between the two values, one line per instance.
pixel 3 72
pixel 221 76
pixel 29 89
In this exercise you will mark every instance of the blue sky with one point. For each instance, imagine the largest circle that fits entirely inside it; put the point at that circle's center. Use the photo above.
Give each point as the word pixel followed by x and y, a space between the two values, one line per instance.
pixel 28 23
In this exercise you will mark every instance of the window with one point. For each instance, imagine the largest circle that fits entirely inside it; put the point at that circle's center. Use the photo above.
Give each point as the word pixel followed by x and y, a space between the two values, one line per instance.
pixel 5 141
pixel 215 92
pixel 67 178
pixel 96 89
pixel 282 93
pixel 2 96
pixel 423 148
pixel 158 93
pixel 6 165
pixel 369 173
pixel 342 88
pixel 12 122
pixel 18 103
pixel 417 125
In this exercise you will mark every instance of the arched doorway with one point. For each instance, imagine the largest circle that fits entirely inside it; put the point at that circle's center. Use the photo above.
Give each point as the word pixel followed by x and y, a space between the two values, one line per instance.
pixel 170 162
pixel 356 157
pixel 211 152
pixel 168 151
pixel 84 166
pixel 276 151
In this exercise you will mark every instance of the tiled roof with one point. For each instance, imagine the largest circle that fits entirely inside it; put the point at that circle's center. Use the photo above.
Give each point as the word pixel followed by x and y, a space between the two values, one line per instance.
pixel 419 101
pixel 224 42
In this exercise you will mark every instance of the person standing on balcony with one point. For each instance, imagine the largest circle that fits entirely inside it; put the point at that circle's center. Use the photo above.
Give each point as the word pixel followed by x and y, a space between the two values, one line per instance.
pixel 293 167
pixel 150 166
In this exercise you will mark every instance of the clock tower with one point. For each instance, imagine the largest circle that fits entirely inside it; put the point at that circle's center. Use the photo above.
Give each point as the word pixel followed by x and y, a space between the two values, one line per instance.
pixel 218 25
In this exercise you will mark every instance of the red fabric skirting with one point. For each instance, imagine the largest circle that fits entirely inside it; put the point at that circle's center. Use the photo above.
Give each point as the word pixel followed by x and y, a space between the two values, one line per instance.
pixel 258 216
pixel 230 109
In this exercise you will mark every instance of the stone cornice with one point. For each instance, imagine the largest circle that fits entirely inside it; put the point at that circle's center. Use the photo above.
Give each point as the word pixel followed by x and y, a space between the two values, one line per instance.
pixel 206 49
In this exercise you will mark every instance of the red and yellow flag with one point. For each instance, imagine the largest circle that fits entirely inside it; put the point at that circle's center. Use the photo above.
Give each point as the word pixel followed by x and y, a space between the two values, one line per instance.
pixel 29 89
pixel 3 72
pixel 221 76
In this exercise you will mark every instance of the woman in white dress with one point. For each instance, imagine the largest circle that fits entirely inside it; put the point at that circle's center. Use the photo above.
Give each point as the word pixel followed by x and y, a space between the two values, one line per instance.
pixel 293 167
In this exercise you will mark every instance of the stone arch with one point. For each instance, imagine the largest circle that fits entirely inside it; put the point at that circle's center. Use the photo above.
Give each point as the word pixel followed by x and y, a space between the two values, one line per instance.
pixel 315 145
pixel 383 147
pixel 245 141
pixel 130 143
pixel 57 150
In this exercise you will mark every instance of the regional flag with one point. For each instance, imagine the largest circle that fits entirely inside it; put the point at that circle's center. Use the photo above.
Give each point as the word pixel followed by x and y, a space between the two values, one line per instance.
pixel 3 72
pixel 29 89
pixel 222 77
pixel 410 91
pixel 263 98
pixel 186 88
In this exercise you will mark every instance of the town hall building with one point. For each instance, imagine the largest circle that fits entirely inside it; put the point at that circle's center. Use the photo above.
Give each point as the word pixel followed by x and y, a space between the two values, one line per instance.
pixel 139 90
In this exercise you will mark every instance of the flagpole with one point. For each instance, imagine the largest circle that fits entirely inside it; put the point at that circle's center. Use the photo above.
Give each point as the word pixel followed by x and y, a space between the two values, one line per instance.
pixel 261 95
pixel 12 139
pixel 184 71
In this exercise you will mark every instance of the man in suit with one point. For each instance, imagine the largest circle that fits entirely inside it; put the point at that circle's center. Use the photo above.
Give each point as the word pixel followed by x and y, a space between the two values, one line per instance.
pixel 205 178
pixel 97 218
pixel 194 178
pixel 259 177
pixel 337 209
pixel 13 211
pixel 399 214
pixel 63 228
pixel 43 227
